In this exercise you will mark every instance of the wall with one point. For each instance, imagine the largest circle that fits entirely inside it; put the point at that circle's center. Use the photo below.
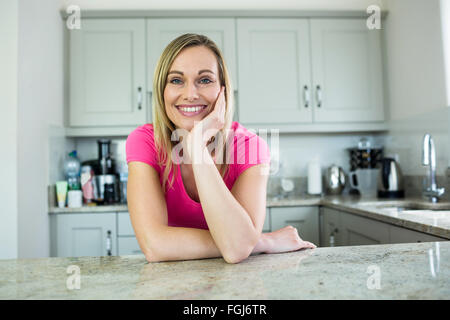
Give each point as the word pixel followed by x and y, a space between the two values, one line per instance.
pixel 230 4
pixel 415 83
pixel 40 116
pixel 8 129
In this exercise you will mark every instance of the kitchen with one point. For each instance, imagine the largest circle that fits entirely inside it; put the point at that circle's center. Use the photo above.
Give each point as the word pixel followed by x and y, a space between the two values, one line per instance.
pixel 403 93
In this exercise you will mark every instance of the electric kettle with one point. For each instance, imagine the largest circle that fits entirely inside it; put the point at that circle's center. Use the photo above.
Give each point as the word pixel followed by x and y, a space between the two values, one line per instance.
pixel 390 180
pixel 334 180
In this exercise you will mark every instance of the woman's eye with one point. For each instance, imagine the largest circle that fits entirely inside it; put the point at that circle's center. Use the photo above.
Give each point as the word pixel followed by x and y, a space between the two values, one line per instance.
pixel 205 81
pixel 175 81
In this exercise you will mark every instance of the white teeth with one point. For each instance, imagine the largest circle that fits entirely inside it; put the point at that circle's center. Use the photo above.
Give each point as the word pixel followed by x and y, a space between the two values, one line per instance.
pixel 191 109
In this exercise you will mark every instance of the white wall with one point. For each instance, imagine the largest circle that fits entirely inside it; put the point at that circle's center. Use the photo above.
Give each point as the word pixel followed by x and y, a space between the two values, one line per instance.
pixel 229 4
pixel 8 129
pixel 415 82
pixel 40 111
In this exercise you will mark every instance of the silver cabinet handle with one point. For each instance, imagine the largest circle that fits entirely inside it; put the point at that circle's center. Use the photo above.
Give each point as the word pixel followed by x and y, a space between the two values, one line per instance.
pixel 319 96
pixel 306 96
pixel 108 243
pixel 139 98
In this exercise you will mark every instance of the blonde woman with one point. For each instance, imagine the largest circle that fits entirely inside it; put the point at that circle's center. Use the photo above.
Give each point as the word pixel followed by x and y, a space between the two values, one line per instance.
pixel 197 180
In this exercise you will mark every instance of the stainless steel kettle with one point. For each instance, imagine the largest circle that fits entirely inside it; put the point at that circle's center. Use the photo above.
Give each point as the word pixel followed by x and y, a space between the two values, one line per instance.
pixel 390 180
pixel 335 180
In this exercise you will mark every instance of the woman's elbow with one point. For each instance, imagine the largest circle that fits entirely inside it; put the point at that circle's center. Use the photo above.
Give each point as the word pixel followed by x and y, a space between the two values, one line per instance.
pixel 237 256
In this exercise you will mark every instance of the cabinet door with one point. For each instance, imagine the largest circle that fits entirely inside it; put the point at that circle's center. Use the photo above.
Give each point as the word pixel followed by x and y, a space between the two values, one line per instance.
pixel 347 79
pixel 266 226
pixel 274 71
pixel 305 219
pixel 357 230
pixel 107 73
pixel 84 234
pixel 403 235
pixel 128 246
pixel 331 228
pixel 160 32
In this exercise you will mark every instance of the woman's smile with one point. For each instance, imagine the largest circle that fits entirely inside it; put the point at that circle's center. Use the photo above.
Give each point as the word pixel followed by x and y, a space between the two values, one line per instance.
pixel 191 110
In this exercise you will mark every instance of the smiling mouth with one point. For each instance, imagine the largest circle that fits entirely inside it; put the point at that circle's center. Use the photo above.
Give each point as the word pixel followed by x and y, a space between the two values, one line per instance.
pixel 191 110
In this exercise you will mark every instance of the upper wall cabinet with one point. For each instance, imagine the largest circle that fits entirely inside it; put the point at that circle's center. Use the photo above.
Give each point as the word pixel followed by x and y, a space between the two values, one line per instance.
pixel 160 32
pixel 274 71
pixel 346 64
pixel 309 71
pixel 107 73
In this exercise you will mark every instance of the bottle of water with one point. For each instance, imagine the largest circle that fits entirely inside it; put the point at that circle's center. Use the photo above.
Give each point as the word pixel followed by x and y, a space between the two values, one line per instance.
pixel 72 170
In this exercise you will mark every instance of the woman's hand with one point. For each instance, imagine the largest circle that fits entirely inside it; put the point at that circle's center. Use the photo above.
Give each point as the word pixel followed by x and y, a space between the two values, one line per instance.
pixel 283 240
pixel 204 130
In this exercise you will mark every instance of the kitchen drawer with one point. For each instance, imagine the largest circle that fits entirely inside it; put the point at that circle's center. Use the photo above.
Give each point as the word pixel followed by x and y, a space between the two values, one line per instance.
pixel 124 227
pixel 128 246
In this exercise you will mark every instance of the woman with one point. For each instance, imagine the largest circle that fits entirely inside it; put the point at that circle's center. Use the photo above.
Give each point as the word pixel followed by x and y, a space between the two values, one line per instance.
pixel 192 190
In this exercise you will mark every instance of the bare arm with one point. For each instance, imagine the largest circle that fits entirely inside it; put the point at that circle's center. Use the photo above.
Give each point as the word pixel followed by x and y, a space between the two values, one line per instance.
pixel 148 213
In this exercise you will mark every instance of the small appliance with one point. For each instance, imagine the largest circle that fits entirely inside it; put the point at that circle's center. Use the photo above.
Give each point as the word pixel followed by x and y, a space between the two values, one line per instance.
pixel 335 180
pixel 390 180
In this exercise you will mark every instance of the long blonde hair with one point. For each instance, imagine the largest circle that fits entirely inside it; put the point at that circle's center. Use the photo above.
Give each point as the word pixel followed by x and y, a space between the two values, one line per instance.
pixel 162 125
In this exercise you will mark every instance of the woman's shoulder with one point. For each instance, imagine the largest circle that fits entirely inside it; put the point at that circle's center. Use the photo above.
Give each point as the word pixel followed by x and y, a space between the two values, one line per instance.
pixel 140 145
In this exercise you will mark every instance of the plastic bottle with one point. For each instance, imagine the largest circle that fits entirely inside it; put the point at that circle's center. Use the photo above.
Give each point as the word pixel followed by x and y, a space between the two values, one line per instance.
pixel 72 170
pixel 314 177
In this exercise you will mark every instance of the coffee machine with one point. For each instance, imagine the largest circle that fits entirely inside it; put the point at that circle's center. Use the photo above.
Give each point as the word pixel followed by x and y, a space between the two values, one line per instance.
pixel 106 181
pixel 364 168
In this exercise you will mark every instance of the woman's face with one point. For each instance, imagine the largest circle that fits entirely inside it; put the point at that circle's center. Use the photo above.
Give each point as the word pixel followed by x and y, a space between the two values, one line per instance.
pixel 192 87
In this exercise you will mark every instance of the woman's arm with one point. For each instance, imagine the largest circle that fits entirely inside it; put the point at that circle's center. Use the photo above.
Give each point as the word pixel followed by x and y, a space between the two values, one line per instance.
pixel 148 213
pixel 235 218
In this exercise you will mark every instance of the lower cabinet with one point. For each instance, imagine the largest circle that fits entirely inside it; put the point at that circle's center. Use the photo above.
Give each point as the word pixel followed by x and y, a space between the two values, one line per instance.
pixel 305 219
pixel 126 240
pixel 339 228
pixel 83 234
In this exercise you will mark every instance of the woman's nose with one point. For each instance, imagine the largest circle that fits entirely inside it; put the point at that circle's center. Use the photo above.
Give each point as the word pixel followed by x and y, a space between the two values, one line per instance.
pixel 190 92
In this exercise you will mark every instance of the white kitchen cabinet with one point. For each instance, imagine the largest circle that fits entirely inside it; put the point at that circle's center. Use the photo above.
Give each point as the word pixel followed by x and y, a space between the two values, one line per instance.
pixel 305 219
pixel 350 229
pixel 309 71
pixel 107 73
pixel 403 235
pixel 126 239
pixel 346 71
pixel 274 71
pixel 330 228
pixel 160 32
pixel 356 230
pixel 83 234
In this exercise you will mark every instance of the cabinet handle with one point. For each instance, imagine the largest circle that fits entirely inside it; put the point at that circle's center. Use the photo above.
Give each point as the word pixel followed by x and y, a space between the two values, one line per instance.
pixel 319 96
pixel 108 243
pixel 306 96
pixel 139 98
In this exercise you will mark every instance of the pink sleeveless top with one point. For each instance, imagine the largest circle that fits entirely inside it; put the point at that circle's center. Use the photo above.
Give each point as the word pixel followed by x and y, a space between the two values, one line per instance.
pixel 248 150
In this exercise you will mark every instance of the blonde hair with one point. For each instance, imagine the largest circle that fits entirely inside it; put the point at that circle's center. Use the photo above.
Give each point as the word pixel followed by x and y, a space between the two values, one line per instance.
pixel 163 126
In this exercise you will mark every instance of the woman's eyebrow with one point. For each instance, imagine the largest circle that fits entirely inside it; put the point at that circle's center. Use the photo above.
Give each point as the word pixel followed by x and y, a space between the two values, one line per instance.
pixel 200 72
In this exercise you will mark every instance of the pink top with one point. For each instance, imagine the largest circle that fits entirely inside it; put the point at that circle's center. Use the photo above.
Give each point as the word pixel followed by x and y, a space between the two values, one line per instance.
pixel 249 150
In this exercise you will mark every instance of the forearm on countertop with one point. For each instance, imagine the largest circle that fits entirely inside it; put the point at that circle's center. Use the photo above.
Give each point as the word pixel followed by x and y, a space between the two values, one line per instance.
pixel 230 225
pixel 179 243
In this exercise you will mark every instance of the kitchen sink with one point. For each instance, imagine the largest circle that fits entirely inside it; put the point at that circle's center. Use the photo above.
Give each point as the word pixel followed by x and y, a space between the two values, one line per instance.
pixel 410 206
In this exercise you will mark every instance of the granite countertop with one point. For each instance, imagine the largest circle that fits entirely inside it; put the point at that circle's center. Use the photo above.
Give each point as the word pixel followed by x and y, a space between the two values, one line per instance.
pixel 436 223
pixel 394 271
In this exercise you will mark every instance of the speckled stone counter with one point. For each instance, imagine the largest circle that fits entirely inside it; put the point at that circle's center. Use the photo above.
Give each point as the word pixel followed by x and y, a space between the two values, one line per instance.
pixel 396 271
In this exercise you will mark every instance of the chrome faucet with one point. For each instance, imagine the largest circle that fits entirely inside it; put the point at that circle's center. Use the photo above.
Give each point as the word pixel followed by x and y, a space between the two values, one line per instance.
pixel 429 159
